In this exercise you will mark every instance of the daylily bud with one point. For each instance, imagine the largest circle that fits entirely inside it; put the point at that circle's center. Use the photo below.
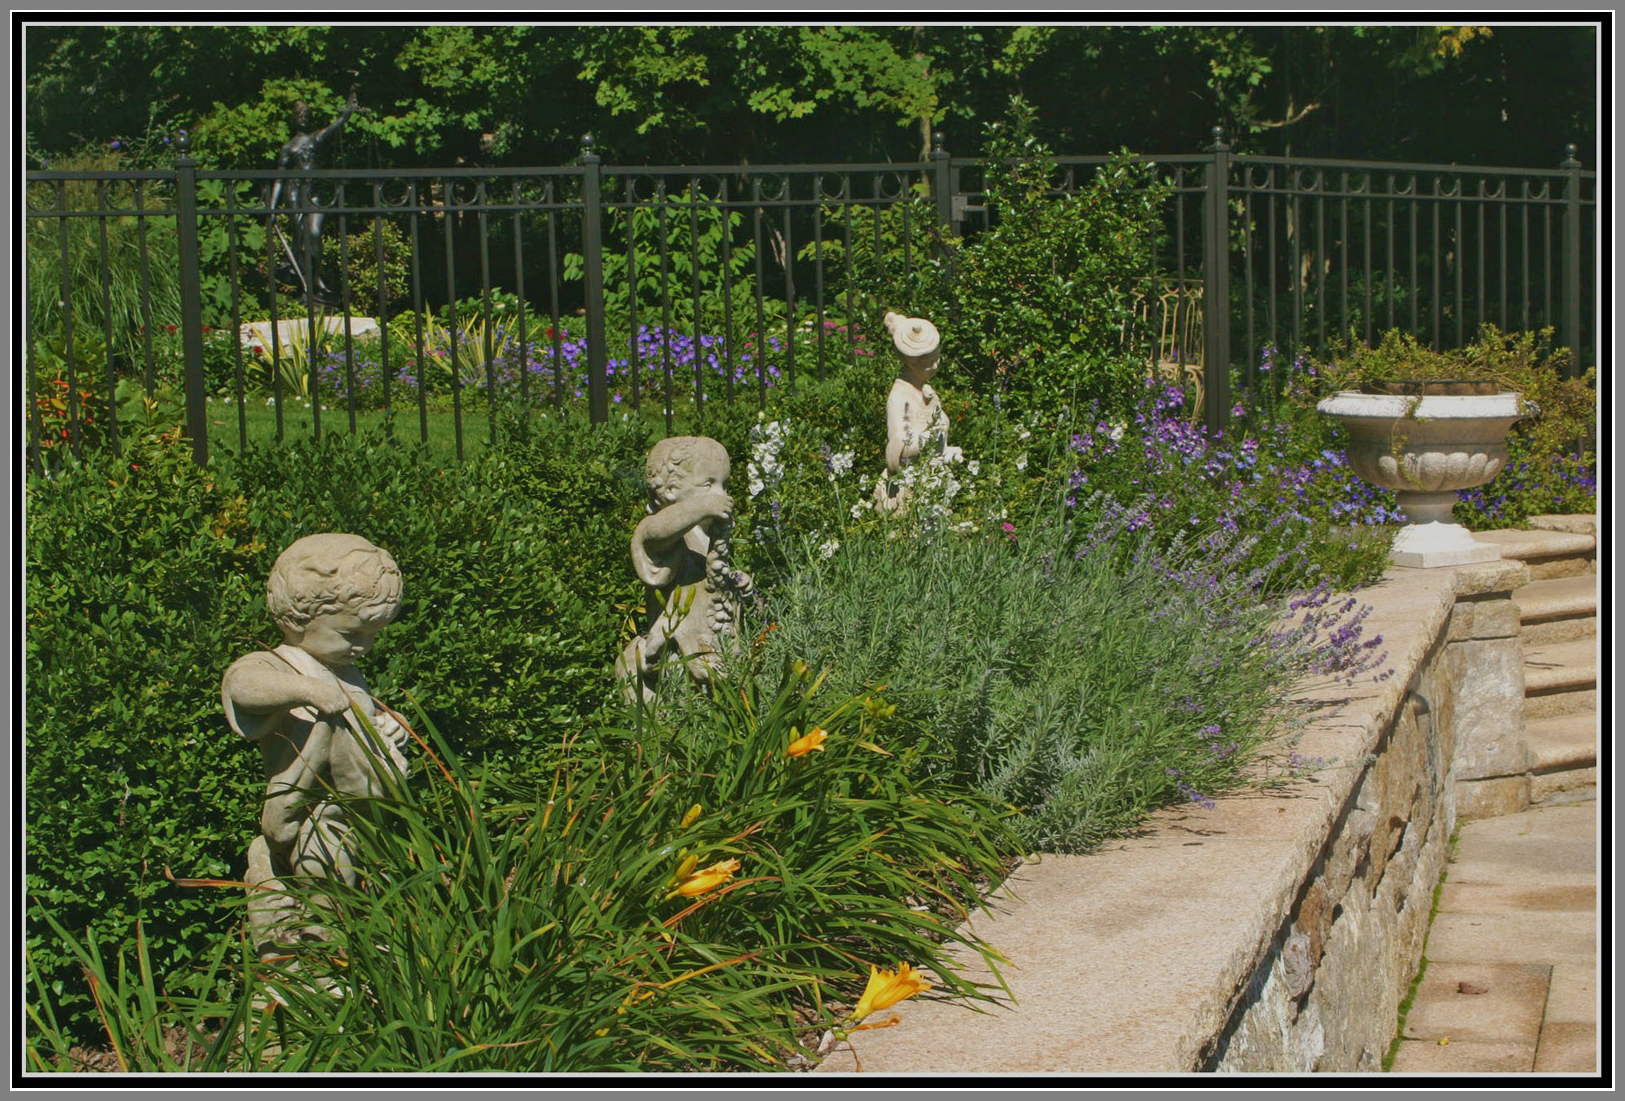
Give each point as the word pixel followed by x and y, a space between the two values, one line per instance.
pixel 685 868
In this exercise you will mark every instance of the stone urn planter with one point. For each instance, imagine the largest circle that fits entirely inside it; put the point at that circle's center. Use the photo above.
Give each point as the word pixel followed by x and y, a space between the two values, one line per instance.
pixel 1425 445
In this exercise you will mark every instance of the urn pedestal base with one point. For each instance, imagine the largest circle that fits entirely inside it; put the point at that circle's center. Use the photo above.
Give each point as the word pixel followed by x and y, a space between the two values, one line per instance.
pixel 1426 546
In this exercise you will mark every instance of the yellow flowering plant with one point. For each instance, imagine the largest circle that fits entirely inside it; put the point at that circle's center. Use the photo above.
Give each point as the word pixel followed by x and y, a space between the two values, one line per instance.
pixel 887 988
pixel 807 743
pixel 837 854
pixel 696 883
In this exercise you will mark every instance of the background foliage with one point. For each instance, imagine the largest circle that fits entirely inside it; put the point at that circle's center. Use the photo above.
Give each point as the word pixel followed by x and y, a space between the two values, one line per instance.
pixel 512 95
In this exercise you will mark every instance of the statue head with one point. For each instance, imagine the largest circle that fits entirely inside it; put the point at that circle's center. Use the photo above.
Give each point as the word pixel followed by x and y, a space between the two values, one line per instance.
pixel 679 465
pixel 912 336
pixel 332 573
pixel 301 117
pixel 916 340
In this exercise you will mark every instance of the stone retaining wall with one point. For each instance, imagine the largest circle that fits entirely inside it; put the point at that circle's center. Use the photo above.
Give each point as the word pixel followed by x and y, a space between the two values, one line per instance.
pixel 1280 930
pixel 1327 995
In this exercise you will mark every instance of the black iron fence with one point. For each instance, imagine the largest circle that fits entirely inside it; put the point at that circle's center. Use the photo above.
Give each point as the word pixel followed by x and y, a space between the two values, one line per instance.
pixel 260 296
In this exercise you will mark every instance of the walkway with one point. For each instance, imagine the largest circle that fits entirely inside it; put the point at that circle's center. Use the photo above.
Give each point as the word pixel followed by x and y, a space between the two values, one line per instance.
pixel 1511 981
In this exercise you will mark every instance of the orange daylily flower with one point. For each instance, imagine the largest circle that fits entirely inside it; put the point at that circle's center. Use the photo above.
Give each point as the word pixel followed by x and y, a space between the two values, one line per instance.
pixel 707 879
pixel 813 739
pixel 887 988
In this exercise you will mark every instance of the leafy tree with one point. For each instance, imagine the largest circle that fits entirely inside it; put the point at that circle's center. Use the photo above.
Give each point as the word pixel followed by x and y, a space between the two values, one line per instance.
pixel 522 94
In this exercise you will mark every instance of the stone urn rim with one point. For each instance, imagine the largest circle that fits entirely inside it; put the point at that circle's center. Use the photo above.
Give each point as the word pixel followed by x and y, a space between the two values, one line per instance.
pixel 1507 405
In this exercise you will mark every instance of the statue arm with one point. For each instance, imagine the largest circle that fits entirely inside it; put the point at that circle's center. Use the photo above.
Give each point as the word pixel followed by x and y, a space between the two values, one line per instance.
pixel 282 160
pixel 659 533
pixel 333 127
pixel 262 684
pixel 671 523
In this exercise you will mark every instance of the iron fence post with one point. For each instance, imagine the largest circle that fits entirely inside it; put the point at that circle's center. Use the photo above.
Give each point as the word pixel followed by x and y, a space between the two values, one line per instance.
pixel 197 415
pixel 592 235
pixel 1216 286
pixel 942 183
pixel 1571 257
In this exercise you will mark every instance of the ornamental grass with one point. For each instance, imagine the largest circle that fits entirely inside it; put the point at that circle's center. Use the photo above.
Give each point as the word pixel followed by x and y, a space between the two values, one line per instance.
pixel 671 898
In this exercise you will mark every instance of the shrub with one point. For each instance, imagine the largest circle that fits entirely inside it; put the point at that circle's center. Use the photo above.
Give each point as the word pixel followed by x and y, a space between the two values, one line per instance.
pixel 1532 484
pixel 146 577
pixel 514 564
pixel 1038 307
pixel 143 578
pixel 690 261
pixel 141 268
pixel 1286 488
pixel 1084 684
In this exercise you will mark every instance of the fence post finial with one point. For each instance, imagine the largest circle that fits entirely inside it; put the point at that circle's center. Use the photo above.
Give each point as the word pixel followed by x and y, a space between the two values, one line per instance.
pixel 1218 144
pixel 937 140
pixel 183 143
pixel 589 152
pixel 1571 158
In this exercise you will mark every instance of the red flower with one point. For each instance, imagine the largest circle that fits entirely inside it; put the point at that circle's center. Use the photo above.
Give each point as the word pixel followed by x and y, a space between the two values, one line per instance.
pixel 169 328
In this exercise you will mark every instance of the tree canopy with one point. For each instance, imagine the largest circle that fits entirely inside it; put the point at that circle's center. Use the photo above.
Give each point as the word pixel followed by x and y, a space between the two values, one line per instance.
pixel 719 94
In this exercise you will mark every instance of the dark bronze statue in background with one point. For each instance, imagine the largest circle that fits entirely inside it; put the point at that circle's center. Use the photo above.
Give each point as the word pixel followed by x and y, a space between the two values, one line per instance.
pixel 305 253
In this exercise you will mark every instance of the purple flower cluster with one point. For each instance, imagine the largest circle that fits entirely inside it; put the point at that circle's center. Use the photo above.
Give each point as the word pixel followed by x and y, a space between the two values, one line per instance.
pixel 1190 793
pixel 1253 481
pixel 1328 638
pixel 1560 483
pixel 542 368
pixel 546 364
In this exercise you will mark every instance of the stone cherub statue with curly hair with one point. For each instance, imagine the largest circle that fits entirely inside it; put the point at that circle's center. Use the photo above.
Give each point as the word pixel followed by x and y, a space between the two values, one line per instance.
pixel 323 738
pixel 682 551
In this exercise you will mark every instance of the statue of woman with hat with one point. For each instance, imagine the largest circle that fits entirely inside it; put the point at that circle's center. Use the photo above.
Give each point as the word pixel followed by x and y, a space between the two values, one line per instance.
pixel 916 423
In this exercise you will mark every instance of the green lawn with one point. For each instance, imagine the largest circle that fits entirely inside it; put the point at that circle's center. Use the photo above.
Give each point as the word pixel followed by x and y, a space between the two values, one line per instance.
pixel 437 427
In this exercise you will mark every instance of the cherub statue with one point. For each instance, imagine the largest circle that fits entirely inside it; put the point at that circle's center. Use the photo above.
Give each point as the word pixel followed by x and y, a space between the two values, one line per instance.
pixel 916 423
pixel 302 703
pixel 682 552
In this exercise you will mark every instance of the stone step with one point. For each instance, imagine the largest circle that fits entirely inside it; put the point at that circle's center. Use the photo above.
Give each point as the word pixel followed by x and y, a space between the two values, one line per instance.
pixel 1547 553
pixel 1549 705
pixel 1583 523
pixel 1552 788
pixel 1564 748
pixel 1564 742
pixel 1557 609
pixel 1560 678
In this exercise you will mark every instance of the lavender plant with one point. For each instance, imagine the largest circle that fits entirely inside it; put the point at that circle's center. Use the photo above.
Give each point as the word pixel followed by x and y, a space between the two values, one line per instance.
pixel 1079 671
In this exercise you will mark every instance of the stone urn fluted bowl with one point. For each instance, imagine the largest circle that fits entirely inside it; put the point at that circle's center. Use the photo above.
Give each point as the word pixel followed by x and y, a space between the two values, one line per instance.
pixel 1425 449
